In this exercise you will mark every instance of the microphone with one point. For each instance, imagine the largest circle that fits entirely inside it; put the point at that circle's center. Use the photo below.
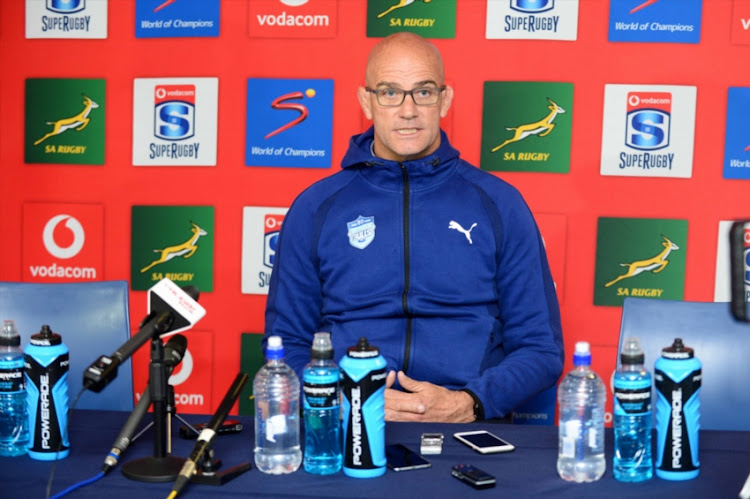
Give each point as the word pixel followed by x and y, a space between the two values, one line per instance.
pixel 171 309
pixel 174 350
pixel 207 435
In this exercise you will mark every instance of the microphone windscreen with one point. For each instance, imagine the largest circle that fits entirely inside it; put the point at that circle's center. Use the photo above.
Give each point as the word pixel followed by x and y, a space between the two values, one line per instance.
pixel 191 291
pixel 174 350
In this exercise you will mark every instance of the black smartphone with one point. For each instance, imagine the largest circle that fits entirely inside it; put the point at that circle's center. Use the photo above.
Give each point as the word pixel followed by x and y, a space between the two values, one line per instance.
pixel 228 426
pixel 483 441
pixel 473 476
pixel 400 458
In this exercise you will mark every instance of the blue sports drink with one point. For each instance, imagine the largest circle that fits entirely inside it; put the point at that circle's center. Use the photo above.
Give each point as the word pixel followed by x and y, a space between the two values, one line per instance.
pixel 678 380
pixel 14 420
pixel 321 389
pixel 364 371
pixel 47 362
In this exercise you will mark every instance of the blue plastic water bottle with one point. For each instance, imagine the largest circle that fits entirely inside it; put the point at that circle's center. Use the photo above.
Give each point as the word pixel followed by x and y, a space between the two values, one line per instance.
pixel 14 420
pixel 678 380
pixel 46 358
pixel 364 410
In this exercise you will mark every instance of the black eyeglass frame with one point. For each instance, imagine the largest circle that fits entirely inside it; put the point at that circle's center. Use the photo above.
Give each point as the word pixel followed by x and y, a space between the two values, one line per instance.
pixel 404 93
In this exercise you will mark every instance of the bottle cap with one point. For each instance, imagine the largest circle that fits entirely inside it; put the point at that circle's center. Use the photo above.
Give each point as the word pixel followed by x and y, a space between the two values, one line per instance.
pixel 45 337
pixel 632 353
pixel 321 346
pixel 274 348
pixel 362 350
pixel 9 336
pixel 582 355
pixel 677 351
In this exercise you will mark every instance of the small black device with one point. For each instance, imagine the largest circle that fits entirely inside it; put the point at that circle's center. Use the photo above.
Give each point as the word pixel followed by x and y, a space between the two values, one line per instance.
pixel 483 441
pixel 473 476
pixel 228 426
pixel 400 458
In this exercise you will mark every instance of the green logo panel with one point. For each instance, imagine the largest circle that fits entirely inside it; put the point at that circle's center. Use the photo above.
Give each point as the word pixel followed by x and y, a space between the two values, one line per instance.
pixel 526 126
pixel 428 18
pixel 64 121
pixel 251 359
pixel 643 257
pixel 173 242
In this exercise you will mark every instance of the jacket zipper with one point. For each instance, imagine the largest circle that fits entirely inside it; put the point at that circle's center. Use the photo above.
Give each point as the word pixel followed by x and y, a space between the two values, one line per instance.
pixel 404 296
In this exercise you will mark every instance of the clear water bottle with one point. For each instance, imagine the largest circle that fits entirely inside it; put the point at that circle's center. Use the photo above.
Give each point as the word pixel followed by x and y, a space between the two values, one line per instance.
pixel 14 419
pixel 276 393
pixel 632 416
pixel 321 382
pixel 581 398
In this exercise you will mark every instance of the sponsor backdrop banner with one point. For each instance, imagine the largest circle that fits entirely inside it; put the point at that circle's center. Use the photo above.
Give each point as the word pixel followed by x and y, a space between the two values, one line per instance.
pixel 63 242
pixel 655 21
pixel 737 142
pixel 251 359
pixel 289 122
pixel 260 235
pixel 66 18
pixel 175 121
pixel 532 19
pixel 741 22
pixel 64 121
pixel 639 257
pixel 292 18
pixel 553 229
pixel 429 19
pixel 723 282
pixel 526 126
pixel 648 130
pixel 170 18
pixel 173 242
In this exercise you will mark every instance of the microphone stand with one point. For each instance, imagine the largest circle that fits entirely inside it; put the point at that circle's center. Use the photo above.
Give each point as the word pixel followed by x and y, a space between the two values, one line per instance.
pixel 162 466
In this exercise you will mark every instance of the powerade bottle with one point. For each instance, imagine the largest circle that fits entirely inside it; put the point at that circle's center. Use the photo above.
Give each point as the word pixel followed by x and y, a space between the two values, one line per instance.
pixel 678 381
pixel 321 389
pixel 632 416
pixel 46 358
pixel 14 419
pixel 364 410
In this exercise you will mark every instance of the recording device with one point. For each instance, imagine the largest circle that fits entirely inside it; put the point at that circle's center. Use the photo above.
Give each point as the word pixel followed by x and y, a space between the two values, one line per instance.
pixel 227 427
pixel 739 262
pixel 400 458
pixel 431 443
pixel 206 437
pixel 473 476
pixel 483 441
pixel 171 309
pixel 174 350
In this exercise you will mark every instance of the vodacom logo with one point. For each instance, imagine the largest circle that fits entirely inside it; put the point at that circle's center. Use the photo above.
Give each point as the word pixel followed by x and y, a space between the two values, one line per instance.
pixel 185 372
pixel 294 3
pixel 48 236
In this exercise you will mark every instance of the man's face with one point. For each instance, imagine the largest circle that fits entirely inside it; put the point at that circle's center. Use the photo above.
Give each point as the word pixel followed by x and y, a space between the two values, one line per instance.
pixel 407 131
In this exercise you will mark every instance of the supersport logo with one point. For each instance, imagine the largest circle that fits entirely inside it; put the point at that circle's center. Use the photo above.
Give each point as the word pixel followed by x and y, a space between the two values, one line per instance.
pixel 642 6
pixel 278 103
pixel 167 3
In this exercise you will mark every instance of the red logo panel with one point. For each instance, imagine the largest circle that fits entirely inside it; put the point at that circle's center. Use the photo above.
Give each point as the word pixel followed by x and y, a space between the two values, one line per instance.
pixel 553 229
pixel 741 22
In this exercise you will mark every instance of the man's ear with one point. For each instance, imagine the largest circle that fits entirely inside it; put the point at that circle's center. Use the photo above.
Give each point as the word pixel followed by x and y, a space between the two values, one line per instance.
pixel 365 102
pixel 446 101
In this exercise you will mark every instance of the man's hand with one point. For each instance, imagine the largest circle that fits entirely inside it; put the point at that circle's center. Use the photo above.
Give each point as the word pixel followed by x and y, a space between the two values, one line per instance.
pixel 423 401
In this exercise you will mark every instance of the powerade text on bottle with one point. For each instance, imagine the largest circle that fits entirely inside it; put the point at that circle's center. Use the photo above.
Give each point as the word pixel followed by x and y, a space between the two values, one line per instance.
pixel 46 358
pixel 677 374
pixel 364 372
pixel 581 397
pixel 14 419
pixel 632 416
pixel 321 380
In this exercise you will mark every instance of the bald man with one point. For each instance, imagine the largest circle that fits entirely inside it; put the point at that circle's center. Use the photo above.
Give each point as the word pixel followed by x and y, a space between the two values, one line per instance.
pixel 437 263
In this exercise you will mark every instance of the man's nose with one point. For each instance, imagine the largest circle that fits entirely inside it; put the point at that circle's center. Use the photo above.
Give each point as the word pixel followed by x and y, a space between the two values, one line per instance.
pixel 408 108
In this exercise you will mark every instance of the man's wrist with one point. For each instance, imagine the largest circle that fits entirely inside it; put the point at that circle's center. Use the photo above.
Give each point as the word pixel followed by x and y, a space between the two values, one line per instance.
pixel 477 409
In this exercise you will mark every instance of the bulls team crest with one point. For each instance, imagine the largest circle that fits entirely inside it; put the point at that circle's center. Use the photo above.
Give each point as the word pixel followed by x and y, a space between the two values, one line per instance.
pixel 63 242
pixel 261 227
pixel 361 232
pixel 175 121
pixel 648 130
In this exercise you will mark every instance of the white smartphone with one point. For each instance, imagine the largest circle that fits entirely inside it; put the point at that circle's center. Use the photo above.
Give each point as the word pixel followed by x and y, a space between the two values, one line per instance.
pixel 483 441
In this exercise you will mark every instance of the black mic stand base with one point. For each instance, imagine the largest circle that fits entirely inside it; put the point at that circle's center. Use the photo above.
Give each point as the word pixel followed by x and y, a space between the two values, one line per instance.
pixel 221 478
pixel 154 469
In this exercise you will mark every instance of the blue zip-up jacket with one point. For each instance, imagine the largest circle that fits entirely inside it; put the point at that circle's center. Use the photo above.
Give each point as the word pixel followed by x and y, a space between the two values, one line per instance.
pixel 437 263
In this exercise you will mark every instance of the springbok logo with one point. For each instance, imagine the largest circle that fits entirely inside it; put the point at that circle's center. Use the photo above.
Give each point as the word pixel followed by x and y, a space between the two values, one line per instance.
pixel 400 4
pixel 542 127
pixel 455 225
pixel 48 237
pixel 655 264
pixel 642 6
pixel 278 103
pixel 79 121
pixel 185 250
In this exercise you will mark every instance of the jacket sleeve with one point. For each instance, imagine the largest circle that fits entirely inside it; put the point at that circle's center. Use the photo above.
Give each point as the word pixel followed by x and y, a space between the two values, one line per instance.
pixel 530 316
pixel 293 309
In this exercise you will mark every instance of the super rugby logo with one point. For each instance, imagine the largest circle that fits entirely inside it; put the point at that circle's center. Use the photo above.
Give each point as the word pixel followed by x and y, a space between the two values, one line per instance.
pixel 280 103
pixel 271 227
pixel 48 237
pixel 648 123
pixel 66 6
pixel 532 6
pixel 174 120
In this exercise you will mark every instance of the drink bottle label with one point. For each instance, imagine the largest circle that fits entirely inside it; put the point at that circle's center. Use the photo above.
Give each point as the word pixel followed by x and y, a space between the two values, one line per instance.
pixel 677 454
pixel 11 377
pixel 42 382
pixel 321 395
pixel 632 402
pixel 357 393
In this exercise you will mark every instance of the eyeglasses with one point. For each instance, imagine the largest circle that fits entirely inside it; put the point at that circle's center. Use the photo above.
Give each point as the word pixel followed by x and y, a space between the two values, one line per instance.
pixel 392 97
